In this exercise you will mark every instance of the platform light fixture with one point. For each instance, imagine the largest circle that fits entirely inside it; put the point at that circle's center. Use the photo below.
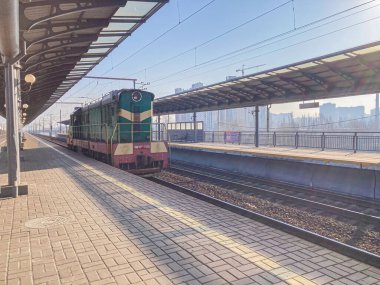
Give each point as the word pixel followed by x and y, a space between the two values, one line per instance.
pixel 25 106
pixel 30 78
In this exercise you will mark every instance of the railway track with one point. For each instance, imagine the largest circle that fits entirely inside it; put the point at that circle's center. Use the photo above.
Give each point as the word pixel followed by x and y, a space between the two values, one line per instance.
pixel 52 140
pixel 337 236
pixel 346 207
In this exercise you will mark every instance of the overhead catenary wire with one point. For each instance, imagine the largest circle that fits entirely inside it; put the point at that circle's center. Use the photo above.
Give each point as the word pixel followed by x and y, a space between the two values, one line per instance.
pixel 265 40
pixel 220 35
pixel 223 57
pixel 160 36
pixel 197 64
pixel 151 42
pixel 216 37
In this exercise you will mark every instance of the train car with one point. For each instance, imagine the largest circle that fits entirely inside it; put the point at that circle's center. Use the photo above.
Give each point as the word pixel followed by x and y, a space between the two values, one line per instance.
pixel 118 129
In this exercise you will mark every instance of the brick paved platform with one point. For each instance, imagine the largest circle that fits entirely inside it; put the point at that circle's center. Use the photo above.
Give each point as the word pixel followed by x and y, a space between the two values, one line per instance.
pixel 104 226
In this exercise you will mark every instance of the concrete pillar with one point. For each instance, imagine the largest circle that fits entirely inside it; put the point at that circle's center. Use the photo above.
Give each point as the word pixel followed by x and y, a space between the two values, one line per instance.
pixel 12 116
pixel 195 126
pixel 51 126
pixel 257 125
pixel 268 114
pixel 377 112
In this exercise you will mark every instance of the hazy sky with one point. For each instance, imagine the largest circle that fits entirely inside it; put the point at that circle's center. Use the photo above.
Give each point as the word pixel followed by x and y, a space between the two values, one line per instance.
pixel 201 58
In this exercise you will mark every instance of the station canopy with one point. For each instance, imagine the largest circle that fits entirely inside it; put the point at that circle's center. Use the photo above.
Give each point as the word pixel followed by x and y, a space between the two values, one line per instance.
pixel 65 39
pixel 350 72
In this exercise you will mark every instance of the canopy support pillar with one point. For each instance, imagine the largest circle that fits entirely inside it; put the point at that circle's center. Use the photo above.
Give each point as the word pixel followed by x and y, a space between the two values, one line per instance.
pixel 195 126
pixel 13 144
pixel 257 125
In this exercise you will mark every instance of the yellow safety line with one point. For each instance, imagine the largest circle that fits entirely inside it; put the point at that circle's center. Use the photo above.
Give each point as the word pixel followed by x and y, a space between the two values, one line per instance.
pixel 258 259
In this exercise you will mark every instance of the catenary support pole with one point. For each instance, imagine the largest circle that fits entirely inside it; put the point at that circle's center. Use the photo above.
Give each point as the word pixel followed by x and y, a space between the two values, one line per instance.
pixel 159 127
pixel 257 125
pixel 12 129
pixel 195 126
pixel 268 114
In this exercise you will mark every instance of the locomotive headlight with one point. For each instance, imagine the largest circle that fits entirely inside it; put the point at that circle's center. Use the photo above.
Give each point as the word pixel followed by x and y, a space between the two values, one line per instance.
pixel 136 96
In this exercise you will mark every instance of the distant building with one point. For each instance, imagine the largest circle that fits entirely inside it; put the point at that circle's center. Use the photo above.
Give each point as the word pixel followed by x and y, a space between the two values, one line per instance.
pixel 178 90
pixel 197 85
pixel 228 78
pixel 281 120
pixel 330 112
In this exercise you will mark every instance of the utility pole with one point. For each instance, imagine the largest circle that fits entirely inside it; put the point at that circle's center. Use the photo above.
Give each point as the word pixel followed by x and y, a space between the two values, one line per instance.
pixel 241 70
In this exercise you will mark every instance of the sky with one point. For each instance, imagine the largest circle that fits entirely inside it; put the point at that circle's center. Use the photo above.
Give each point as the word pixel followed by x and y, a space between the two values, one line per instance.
pixel 205 41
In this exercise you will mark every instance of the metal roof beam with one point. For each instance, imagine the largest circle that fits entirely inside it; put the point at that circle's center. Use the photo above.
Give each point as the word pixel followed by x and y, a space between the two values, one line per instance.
pixel 126 19
pixel 316 79
pixel 375 70
pixel 262 92
pixel 73 30
pixel 346 76
pixel 78 6
pixel 114 34
pixel 295 84
pixel 197 102
pixel 207 100
pixel 70 39
pixel 47 50
pixel 228 97
pixel 278 89
pixel 243 92
pixel 216 97
pixel 55 69
pixel 189 102
pixel 53 60
pixel 65 52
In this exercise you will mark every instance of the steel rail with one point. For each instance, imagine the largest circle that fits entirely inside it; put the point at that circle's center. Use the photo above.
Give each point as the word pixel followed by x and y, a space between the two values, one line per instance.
pixel 316 205
pixel 283 184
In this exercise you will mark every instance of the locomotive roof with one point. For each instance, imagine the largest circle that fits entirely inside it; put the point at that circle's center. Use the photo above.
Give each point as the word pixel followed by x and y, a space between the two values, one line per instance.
pixel 112 96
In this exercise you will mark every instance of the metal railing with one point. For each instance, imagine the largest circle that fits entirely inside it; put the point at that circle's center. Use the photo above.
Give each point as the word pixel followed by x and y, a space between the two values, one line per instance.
pixel 354 141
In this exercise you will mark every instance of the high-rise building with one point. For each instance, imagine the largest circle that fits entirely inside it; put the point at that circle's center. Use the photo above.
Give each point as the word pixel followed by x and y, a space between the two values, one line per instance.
pixel 178 90
pixel 197 85
pixel 231 77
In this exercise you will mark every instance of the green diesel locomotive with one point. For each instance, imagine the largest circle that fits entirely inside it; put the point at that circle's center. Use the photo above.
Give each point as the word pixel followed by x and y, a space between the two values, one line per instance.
pixel 118 129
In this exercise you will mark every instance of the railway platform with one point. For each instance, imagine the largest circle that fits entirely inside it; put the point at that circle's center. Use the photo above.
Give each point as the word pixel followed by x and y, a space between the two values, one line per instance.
pixel 363 160
pixel 344 172
pixel 85 222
